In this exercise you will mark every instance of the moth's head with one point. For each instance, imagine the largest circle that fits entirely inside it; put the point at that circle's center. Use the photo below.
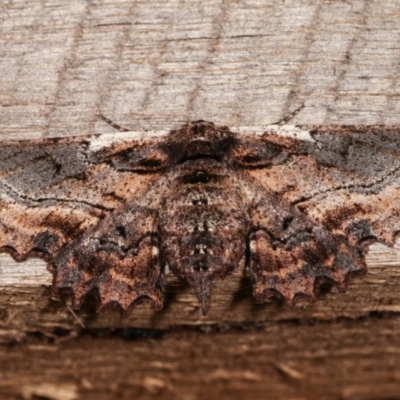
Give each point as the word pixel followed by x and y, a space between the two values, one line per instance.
pixel 201 139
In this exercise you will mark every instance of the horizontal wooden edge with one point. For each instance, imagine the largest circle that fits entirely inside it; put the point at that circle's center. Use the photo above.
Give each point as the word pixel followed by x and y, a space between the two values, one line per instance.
pixel 26 304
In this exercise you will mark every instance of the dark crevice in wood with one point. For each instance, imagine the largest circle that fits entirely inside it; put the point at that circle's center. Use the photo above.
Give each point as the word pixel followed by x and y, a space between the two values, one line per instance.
pixel 133 334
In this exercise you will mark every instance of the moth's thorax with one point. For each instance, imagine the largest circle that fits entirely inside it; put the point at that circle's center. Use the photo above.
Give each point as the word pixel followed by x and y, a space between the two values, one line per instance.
pixel 202 140
pixel 203 223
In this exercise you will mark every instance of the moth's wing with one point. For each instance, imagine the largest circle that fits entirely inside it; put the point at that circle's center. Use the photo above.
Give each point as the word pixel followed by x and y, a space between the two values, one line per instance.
pixel 317 203
pixel 54 193
pixel 118 258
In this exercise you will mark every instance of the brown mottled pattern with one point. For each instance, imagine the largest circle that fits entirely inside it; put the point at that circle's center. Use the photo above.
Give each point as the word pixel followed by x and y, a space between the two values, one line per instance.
pixel 201 201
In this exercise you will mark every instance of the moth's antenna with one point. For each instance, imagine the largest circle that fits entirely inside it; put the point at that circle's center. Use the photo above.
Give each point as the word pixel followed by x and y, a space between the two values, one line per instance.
pixel 109 122
pixel 286 119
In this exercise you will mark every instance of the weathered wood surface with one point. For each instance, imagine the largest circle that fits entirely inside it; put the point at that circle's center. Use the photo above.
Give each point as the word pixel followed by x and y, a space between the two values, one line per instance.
pixel 28 307
pixel 293 360
pixel 157 64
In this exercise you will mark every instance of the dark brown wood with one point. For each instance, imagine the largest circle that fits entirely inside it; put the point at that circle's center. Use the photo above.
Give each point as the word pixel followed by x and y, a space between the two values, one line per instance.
pixel 343 358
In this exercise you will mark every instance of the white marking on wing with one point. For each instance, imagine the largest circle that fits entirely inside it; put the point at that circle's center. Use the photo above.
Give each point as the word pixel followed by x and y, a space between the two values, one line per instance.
pixel 107 139
pixel 292 131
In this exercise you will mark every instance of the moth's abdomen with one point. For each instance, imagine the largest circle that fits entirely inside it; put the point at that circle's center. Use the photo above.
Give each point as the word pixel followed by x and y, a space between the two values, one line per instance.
pixel 203 225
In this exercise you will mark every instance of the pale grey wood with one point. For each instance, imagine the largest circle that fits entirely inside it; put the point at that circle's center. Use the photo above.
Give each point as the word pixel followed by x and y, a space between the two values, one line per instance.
pixel 157 64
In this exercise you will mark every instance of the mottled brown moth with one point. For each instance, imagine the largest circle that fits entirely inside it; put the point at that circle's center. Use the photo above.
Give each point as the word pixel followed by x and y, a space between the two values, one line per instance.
pixel 297 206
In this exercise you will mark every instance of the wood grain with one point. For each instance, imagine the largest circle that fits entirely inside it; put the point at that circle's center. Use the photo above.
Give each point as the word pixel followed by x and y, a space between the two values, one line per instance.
pixel 155 65
pixel 28 307
pixel 347 359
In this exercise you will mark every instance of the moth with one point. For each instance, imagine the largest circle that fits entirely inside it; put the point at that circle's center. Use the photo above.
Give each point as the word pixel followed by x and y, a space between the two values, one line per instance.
pixel 297 206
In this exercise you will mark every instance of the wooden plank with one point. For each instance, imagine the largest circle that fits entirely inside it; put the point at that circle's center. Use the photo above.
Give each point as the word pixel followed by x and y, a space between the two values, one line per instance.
pixel 291 360
pixel 155 65
pixel 28 307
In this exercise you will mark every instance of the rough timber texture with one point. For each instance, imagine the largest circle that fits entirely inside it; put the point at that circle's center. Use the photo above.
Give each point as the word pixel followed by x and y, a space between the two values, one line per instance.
pixel 156 65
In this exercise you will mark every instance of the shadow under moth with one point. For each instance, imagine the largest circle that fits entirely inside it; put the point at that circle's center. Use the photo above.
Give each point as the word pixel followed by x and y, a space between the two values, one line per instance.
pixel 297 206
